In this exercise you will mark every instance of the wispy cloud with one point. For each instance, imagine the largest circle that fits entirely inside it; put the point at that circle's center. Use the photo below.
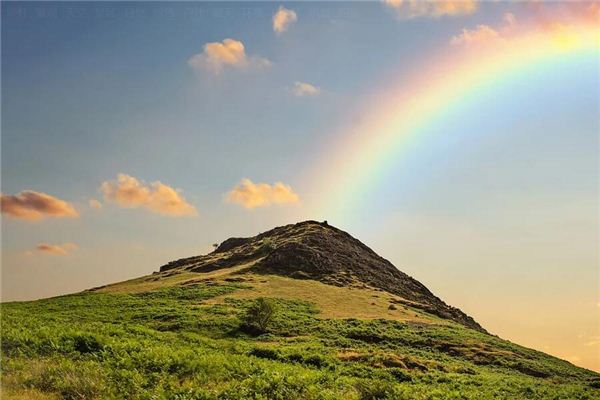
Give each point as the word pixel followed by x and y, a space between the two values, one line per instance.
pixel 57 249
pixel 283 19
pixel 301 89
pixel 35 206
pixel 480 35
pixel 251 195
pixel 484 34
pixel 231 53
pixel 408 9
pixel 560 22
pixel 593 341
pixel 95 204
pixel 130 192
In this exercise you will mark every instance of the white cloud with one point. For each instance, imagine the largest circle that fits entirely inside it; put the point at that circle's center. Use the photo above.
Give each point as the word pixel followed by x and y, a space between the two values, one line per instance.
pixel 129 192
pixel 481 34
pixel 407 9
pixel 484 34
pixel 95 204
pixel 231 53
pixel 283 19
pixel 564 27
pixel 305 89
pixel 251 195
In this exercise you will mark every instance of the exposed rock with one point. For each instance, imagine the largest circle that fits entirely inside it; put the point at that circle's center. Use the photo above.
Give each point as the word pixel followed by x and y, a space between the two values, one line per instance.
pixel 313 250
pixel 230 244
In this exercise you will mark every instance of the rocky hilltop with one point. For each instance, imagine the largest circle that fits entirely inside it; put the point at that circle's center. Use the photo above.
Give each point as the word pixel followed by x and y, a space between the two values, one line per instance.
pixel 318 251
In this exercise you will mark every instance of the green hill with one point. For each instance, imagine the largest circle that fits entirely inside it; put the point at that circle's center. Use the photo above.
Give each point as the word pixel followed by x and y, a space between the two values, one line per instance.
pixel 346 324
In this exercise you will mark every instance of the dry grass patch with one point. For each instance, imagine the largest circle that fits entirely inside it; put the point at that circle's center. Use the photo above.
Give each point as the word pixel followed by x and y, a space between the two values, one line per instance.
pixel 332 301
pixel 169 278
pixel 8 393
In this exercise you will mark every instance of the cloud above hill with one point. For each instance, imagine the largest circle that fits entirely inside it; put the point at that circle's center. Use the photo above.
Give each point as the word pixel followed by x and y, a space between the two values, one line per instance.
pixel 408 9
pixel 251 195
pixel 129 192
pixel 56 249
pixel 302 89
pixel 483 34
pixel 34 206
pixel 95 204
pixel 283 19
pixel 563 23
pixel 231 53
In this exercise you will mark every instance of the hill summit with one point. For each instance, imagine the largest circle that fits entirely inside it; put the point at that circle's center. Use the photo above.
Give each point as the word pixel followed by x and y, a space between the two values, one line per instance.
pixel 319 251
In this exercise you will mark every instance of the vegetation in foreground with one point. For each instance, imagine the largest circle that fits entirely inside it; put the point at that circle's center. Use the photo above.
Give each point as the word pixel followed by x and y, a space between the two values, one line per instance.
pixel 179 343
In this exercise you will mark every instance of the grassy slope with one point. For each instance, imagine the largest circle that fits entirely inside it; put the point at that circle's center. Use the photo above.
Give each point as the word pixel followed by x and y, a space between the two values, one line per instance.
pixel 176 336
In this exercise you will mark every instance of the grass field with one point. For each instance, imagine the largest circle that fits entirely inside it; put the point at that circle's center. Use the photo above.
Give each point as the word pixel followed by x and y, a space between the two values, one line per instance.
pixel 179 337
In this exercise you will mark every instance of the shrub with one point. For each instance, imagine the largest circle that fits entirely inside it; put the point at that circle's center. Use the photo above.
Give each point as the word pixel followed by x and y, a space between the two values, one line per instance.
pixel 259 315
pixel 267 246
pixel 374 390
pixel 595 383
pixel 315 360
pixel 262 352
pixel 87 343
pixel 400 375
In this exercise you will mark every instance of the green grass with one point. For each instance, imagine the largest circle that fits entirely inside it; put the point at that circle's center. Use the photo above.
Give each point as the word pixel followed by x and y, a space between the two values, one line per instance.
pixel 179 343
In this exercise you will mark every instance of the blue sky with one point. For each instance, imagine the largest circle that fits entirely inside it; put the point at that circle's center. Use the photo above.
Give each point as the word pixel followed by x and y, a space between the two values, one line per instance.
pixel 498 213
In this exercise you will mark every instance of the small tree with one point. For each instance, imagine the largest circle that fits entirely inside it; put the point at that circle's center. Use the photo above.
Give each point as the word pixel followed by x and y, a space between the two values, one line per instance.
pixel 259 315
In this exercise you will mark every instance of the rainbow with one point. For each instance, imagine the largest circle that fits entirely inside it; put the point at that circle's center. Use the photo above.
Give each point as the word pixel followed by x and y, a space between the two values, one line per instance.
pixel 400 116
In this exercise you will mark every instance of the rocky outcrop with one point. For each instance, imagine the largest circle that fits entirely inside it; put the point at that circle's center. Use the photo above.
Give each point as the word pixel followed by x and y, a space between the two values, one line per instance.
pixel 313 250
